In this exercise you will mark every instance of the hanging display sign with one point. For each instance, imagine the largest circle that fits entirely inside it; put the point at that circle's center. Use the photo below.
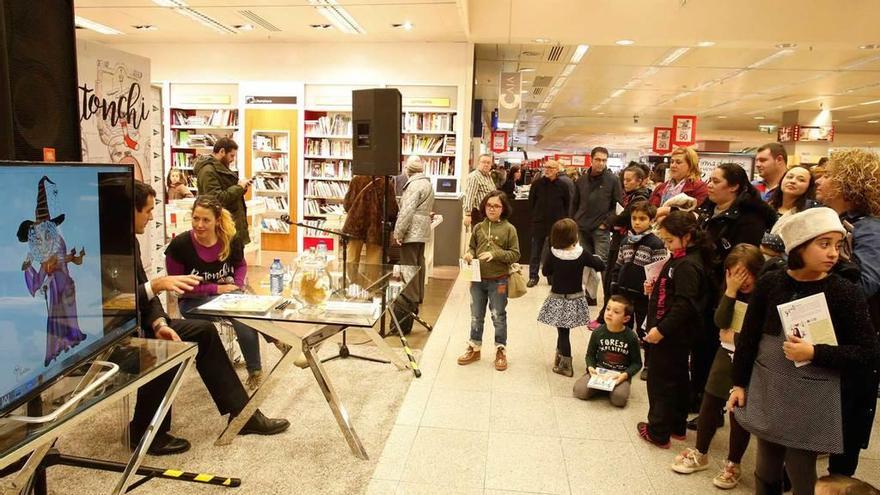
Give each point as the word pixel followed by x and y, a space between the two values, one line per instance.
pixel 499 141
pixel 684 129
pixel 792 133
pixel 509 96
pixel 564 160
pixel 662 140
pixel 579 160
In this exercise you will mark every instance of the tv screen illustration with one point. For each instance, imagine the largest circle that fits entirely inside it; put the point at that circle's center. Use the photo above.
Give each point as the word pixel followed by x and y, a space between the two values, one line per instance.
pixel 67 282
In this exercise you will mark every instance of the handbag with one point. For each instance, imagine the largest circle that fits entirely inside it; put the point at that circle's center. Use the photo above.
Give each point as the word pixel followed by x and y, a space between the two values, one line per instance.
pixel 516 283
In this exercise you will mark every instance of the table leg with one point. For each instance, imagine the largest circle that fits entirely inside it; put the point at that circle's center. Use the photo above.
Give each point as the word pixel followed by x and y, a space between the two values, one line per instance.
pixel 385 349
pixel 19 482
pixel 137 457
pixel 339 411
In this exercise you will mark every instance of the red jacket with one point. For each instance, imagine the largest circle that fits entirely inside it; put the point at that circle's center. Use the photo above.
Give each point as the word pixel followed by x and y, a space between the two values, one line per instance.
pixel 693 188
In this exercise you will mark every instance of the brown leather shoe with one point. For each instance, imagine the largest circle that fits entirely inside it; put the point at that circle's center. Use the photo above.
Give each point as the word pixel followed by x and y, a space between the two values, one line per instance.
pixel 500 359
pixel 471 355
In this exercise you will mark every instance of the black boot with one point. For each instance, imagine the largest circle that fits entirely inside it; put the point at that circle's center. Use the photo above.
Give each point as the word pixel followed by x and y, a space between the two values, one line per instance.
pixel 259 424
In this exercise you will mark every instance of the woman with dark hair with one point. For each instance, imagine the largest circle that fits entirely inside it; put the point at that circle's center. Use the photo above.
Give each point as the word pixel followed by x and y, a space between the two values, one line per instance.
pixel 796 412
pixel 495 243
pixel 795 193
pixel 733 214
pixel 510 182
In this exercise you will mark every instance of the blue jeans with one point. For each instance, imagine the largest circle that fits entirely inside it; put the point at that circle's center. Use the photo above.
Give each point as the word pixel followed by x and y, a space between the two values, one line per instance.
pixel 495 293
pixel 597 242
pixel 248 338
pixel 539 248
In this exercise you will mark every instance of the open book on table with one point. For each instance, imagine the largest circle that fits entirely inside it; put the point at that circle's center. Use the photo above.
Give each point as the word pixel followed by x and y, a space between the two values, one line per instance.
pixel 241 303
pixel 603 380
pixel 808 319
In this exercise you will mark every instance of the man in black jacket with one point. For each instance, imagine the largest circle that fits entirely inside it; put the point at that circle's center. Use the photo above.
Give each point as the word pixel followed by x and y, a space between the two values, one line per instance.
pixel 549 201
pixel 597 194
pixel 214 176
pixel 211 361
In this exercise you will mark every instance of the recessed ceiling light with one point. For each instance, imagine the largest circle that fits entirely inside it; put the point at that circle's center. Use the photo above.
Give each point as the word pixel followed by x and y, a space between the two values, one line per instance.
pixel 405 25
pixel 758 117
pixel 870 46
pixel 625 42
pixel 146 27
pixel 320 26
pixel 600 113
pixel 527 69
pixel 244 27
pixel 542 40
pixel 722 116
pixel 705 44
pixel 84 23
pixel 783 46
pixel 873 121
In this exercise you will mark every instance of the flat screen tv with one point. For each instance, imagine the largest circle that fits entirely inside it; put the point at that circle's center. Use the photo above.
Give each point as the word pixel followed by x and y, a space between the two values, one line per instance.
pixel 67 279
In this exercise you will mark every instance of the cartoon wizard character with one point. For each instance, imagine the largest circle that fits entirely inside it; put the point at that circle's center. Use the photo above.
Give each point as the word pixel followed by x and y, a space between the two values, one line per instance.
pixel 45 271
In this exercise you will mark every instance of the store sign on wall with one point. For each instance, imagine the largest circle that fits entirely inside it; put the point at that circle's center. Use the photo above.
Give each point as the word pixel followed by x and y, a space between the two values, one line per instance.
pixel 684 130
pixel 410 101
pixel 206 99
pixel 499 141
pixel 793 133
pixel 270 100
pixel 509 96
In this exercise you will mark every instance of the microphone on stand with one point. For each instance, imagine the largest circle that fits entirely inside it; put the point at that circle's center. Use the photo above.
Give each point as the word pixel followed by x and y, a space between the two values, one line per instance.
pixel 286 219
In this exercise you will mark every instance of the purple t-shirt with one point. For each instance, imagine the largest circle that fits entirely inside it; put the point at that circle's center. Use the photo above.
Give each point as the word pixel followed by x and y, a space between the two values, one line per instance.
pixel 185 256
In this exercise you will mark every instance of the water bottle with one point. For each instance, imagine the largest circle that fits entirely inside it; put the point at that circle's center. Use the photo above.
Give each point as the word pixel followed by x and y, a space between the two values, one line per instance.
pixel 322 250
pixel 276 277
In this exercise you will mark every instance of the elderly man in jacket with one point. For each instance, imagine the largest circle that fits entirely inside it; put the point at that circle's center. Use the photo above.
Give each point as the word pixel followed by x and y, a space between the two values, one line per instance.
pixel 549 201
pixel 413 227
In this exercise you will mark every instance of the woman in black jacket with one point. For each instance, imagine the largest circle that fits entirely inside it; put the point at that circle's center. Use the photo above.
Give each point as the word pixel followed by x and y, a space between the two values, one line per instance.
pixel 734 213
pixel 509 185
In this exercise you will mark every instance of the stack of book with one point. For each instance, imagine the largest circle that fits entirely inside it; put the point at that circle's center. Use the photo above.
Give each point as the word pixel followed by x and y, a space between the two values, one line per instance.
pixel 328 147
pixel 415 144
pixel 339 169
pixel 327 189
pixel 337 125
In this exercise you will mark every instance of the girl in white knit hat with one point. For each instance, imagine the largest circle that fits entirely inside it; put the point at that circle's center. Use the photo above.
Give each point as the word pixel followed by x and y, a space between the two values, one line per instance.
pixel 795 412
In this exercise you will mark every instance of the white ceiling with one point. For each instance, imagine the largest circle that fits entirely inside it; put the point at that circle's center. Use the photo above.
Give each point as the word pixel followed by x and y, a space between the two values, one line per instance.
pixel 826 67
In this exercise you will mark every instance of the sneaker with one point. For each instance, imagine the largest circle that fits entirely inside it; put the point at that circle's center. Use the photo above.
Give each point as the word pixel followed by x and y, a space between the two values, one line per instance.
pixel 532 282
pixel 500 359
pixel 471 355
pixel 644 374
pixel 646 436
pixel 728 477
pixel 690 461
pixel 594 325
pixel 254 379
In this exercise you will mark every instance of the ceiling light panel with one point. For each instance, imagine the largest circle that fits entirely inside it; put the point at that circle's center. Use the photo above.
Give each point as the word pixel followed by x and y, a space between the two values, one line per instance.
pixel 568 70
pixel 180 7
pixel 766 60
pixel 579 53
pixel 673 56
pixel 338 16
pixel 618 93
pixel 84 23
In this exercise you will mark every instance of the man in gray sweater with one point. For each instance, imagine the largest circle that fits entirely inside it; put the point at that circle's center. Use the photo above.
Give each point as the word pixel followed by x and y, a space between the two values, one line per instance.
pixel 597 194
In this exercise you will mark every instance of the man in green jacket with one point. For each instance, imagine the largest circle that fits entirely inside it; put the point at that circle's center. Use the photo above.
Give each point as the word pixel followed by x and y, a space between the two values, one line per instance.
pixel 215 177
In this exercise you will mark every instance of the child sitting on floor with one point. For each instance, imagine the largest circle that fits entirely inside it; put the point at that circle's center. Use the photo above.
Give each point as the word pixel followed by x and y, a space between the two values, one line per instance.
pixel 614 347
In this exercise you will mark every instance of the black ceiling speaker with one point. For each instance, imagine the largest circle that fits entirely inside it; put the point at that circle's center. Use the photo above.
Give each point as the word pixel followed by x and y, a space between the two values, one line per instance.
pixel 376 118
pixel 39 105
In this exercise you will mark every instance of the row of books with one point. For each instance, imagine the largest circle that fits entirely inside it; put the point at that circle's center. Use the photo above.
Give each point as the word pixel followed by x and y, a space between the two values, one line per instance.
pixel 337 125
pixel 269 183
pixel 439 165
pixel 316 207
pixel 188 139
pixel 328 147
pixel 415 144
pixel 271 142
pixel 428 122
pixel 314 223
pixel 275 225
pixel 329 169
pixel 326 189
pixel 223 118
pixel 270 164
pixel 183 159
pixel 277 203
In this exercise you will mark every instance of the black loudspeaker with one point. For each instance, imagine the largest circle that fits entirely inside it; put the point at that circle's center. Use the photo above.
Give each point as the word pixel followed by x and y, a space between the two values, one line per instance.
pixel 376 117
pixel 39 105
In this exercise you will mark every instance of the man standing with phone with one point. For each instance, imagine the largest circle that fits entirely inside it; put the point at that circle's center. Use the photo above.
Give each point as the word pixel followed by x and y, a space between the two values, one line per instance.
pixel 216 177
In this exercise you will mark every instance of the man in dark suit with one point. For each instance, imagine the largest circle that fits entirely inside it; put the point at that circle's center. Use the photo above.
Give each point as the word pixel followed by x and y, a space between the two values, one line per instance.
pixel 211 361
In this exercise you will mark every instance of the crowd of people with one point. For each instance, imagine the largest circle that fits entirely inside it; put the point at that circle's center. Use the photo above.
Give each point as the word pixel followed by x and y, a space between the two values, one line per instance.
pixel 693 273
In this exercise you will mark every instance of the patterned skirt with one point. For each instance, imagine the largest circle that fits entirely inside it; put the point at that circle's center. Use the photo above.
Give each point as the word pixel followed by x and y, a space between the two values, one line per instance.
pixel 559 311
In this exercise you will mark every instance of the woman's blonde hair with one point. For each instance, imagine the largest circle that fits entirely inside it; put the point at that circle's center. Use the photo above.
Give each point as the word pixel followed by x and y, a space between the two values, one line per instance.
pixel 692 159
pixel 855 175
pixel 225 223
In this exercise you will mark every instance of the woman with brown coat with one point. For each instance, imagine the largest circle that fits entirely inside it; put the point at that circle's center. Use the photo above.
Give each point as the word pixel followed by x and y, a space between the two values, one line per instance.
pixel 363 204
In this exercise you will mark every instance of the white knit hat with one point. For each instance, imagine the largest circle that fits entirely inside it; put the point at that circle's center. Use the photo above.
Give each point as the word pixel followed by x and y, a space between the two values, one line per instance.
pixel 414 165
pixel 805 225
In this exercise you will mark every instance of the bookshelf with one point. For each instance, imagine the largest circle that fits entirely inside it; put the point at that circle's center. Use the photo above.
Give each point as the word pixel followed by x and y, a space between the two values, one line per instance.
pixel 194 130
pixel 326 171
pixel 270 167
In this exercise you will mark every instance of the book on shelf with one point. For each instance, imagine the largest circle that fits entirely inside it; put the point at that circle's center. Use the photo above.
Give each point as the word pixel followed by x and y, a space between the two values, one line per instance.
pixel 449 145
pixel 270 164
pixel 328 169
pixel 217 118
pixel 182 159
pixel 336 125
pixel 317 207
pixel 276 203
pixel 328 147
pixel 266 183
pixel 603 380
pixel 275 226
pixel 428 122
pixel 314 223
pixel 416 144
pixel 438 165
pixel 270 142
pixel 326 189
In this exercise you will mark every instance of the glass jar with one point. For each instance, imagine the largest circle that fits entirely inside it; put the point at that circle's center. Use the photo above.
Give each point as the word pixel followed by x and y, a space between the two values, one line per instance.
pixel 311 283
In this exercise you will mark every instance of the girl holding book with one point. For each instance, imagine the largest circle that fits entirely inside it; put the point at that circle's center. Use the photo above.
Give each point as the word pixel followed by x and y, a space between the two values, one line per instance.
pixel 741 268
pixel 675 309
pixel 795 409
pixel 566 305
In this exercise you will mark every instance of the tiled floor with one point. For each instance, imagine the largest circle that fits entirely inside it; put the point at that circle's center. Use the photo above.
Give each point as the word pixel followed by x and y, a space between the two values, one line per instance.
pixel 473 430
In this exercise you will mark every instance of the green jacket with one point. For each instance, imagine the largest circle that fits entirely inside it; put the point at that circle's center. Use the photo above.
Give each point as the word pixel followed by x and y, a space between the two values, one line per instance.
pixel 501 240
pixel 216 179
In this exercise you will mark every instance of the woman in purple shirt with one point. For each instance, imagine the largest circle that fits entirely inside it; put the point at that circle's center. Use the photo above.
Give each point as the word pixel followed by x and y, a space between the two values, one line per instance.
pixel 211 251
